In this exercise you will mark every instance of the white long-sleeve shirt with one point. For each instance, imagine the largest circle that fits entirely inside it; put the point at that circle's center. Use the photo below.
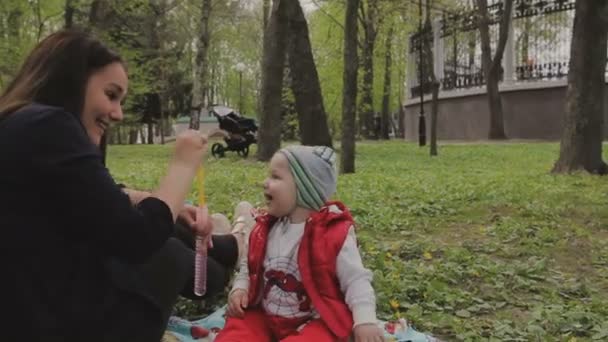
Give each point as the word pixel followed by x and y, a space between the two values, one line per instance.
pixel 283 293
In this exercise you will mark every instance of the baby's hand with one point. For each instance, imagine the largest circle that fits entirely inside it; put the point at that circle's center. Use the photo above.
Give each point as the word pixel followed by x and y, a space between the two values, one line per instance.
pixel 237 303
pixel 368 332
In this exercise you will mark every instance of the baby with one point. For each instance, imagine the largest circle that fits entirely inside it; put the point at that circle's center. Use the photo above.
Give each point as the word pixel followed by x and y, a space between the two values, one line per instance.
pixel 303 279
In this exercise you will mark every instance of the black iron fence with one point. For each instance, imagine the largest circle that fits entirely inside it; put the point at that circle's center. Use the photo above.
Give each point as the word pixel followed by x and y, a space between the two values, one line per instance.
pixel 539 44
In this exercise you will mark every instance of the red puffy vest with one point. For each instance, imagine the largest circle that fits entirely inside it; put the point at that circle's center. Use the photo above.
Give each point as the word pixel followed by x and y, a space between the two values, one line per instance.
pixel 324 236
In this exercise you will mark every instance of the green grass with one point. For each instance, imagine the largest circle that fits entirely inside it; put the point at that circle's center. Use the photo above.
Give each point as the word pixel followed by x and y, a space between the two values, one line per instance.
pixel 480 243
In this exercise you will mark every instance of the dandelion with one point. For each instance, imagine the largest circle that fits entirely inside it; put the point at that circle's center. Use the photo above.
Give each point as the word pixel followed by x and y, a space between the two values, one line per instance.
pixel 395 306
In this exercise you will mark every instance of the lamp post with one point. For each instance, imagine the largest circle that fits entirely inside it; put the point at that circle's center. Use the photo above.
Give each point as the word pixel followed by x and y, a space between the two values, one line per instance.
pixel 421 119
pixel 240 67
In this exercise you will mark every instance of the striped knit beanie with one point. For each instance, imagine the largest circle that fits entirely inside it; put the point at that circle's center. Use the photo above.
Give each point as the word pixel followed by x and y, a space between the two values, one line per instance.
pixel 314 172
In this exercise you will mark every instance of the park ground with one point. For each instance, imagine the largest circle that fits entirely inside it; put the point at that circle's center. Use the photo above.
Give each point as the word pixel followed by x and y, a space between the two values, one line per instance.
pixel 479 243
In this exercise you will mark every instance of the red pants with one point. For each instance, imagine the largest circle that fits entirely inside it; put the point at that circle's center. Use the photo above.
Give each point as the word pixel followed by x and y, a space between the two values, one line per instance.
pixel 255 326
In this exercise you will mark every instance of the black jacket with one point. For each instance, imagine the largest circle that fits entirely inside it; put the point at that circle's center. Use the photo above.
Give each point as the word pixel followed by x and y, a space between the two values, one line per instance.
pixel 64 224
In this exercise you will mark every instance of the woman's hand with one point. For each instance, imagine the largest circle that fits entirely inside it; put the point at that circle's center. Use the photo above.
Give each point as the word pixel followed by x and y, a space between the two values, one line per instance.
pixel 237 303
pixel 190 148
pixel 368 332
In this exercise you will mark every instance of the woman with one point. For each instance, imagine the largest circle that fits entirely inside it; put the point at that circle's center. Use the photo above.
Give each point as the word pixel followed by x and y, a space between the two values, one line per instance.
pixel 83 260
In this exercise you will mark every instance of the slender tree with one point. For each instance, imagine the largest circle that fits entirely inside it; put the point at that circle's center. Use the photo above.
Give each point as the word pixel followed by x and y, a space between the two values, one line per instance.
pixel 492 65
pixel 430 72
pixel 305 80
pixel 369 18
pixel 275 44
pixel 199 89
pixel 386 92
pixel 349 90
pixel 68 14
pixel 583 132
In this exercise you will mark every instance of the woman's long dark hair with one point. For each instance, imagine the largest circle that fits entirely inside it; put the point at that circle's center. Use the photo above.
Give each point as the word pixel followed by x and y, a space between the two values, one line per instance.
pixel 56 73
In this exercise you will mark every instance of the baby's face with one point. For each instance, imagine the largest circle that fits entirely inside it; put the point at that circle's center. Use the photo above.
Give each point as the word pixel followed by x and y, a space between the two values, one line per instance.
pixel 280 187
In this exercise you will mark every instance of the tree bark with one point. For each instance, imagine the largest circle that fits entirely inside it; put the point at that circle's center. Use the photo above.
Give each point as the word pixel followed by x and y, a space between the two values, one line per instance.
pixel 582 136
pixel 133 132
pixel 199 89
pixel 98 15
pixel 386 96
pixel 401 115
pixel 150 133
pixel 366 105
pixel 401 123
pixel 430 71
pixel 275 44
pixel 265 10
pixel 349 88
pixel 492 65
pixel 305 80
pixel 68 15
pixel 119 134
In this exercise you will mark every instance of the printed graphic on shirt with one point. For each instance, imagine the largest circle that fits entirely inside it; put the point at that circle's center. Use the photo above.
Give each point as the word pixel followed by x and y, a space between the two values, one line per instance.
pixel 284 293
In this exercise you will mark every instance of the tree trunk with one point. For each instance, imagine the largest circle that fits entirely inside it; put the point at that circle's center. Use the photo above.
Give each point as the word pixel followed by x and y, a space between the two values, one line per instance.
pixel 199 89
pixel 265 10
pixel 150 133
pixel 305 80
pixel 366 105
pixel 472 40
pixel 68 15
pixel 492 65
pixel 582 136
pixel 525 41
pixel 275 43
pixel 156 26
pixel 349 88
pixel 133 132
pixel 430 71
pixel 265 15
pixel 401 123
pixel 162 127
pixel 119 134
pixel 401 114
pixel 212 84
pixel 472 44
pixel 98 16
pixel 386 96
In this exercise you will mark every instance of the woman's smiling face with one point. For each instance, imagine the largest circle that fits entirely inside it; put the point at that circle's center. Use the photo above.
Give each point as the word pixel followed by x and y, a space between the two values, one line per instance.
pixel 105 90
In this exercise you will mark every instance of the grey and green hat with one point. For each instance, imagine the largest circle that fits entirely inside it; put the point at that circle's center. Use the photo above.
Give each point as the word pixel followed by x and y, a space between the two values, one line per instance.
pixel 314 172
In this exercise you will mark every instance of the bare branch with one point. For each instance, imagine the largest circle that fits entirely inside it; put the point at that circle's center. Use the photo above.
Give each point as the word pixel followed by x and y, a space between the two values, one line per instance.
pixel 503 32
pixel 320 8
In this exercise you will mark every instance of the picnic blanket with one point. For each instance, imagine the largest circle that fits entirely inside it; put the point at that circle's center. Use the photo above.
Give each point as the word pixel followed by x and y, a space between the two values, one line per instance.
pixel 205 330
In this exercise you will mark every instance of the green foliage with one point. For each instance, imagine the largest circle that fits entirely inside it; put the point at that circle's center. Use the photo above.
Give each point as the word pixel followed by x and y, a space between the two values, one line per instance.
pixel 327 37
pixel 327 40
pixel 22 25
pixel 290 125
pixel 482 243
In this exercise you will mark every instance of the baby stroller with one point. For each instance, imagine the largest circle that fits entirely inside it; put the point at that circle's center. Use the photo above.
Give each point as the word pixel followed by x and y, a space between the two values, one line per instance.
pixel 240 132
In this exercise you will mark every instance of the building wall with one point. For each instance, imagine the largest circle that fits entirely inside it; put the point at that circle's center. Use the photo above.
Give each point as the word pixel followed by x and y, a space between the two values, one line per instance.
pixel 531 111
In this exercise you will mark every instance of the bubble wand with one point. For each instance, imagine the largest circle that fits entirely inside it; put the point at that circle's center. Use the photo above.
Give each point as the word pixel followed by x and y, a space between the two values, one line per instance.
pixel 202 242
